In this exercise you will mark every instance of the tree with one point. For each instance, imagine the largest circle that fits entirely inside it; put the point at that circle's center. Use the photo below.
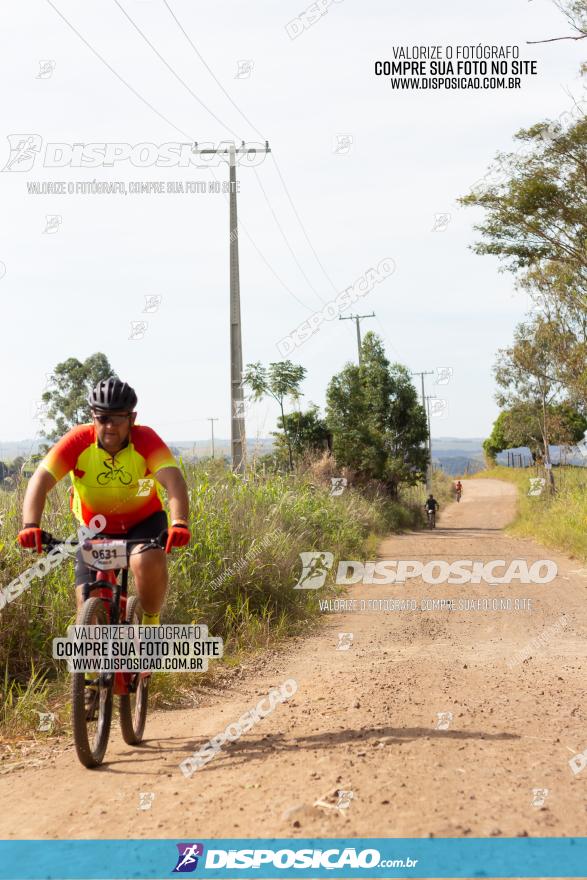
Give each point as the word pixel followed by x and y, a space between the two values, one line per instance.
pixel 496 442
pixel 575 11
pixel 555 296
pixel 307 433
pixel 530 387
pixel 378 426
pixel 535 203
pixel 522 426
pixel 280 381
pixel 69 386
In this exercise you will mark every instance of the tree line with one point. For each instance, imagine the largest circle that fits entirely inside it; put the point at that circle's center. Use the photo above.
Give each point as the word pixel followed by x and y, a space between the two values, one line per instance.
pixel 534 200
pixel 374 425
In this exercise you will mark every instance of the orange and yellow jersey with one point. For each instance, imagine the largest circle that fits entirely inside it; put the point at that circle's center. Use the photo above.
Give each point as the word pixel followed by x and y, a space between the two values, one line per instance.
pixel 119 487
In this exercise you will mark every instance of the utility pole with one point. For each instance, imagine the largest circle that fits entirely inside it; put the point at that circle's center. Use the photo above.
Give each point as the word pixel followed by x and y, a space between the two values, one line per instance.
pixel 212 420
pixel 421 374
pixel 357 319
pixel 429 397
pixel 238 442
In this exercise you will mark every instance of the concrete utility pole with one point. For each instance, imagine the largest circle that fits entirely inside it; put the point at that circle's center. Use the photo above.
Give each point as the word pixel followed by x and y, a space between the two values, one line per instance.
pixel 429 397
pixel 212 420
pixel 421 374
pixel 238 442
pixel 357 319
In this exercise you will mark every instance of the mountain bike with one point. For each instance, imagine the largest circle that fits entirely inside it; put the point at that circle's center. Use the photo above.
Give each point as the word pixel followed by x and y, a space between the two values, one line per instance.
pixel 106 603
pixel 459 492
pixel 431 512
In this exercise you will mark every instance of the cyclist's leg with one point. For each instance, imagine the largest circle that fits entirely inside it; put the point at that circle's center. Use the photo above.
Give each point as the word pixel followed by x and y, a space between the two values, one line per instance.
pixel 83 575
pixel 149 568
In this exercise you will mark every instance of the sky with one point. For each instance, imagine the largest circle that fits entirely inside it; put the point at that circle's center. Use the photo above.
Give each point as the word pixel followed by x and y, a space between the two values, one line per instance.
pixel 369 171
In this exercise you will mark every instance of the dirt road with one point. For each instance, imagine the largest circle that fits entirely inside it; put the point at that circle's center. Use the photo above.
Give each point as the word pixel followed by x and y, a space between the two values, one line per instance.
pixel 365 720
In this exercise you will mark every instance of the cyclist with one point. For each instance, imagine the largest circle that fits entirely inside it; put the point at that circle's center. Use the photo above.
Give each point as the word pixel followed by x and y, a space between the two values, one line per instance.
pixel 431 505
pixel 114 466
pixel 459 489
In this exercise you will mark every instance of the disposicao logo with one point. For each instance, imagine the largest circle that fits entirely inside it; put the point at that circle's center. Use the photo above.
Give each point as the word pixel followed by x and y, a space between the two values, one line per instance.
pixel 187 860
pixel 317 564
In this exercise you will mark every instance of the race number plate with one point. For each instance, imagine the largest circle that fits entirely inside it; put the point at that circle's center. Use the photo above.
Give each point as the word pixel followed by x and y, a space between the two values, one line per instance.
pixel 105 555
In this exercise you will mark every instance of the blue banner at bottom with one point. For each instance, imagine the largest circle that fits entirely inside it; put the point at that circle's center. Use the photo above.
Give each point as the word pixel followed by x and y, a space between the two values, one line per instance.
pixel 387 857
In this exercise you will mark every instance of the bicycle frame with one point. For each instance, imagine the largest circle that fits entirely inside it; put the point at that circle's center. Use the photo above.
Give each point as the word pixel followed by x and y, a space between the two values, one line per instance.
pixel 92 698
pixel 114 595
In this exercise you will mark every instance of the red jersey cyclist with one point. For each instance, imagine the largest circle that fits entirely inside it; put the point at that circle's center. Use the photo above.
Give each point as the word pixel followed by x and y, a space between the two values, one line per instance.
pixel 116 469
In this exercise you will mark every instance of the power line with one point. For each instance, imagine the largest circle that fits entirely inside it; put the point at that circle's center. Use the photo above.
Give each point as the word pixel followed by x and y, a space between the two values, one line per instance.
pixel 303 228
pixel 176 128
pixel 210 71
pixel 191 138
pixel 277 168
pixel 117 75
pixel 270 267
pixel 205 106
pixel 235 105
pixel 291 250
pixel 175 74
pixel 202 104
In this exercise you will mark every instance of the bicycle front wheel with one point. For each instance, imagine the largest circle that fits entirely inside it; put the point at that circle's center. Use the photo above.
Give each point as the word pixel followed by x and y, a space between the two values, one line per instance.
pixel 133 706
pixel 91 715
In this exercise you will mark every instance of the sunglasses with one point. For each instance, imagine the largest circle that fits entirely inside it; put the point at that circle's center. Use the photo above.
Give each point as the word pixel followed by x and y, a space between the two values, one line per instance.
pixel 113 419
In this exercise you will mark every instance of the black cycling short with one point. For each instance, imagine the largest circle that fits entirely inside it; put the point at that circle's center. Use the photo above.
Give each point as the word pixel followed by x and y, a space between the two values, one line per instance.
pixel 151 527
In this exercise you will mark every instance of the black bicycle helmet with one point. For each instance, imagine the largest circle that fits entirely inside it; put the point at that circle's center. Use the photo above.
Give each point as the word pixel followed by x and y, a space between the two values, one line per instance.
pixel 112 394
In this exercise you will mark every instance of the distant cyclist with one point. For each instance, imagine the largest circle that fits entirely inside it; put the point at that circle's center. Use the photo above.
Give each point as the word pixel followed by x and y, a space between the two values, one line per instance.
pixel 458 489
pixel 115 466
pixel 431 506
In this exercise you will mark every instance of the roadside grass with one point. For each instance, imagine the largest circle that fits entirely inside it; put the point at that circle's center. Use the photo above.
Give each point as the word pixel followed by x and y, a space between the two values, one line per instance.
pixel 236 576
pixel 558 521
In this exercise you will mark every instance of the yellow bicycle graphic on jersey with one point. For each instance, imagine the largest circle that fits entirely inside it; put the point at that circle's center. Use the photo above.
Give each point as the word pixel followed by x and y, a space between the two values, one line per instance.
pixel 112 473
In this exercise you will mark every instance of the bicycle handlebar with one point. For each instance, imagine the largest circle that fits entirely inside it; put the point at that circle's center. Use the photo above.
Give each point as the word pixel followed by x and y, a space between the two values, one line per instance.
pixel 50 542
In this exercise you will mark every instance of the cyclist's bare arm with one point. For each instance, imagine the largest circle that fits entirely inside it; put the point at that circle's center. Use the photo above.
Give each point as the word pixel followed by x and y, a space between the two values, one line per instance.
pixel 172 480
pixel 40 484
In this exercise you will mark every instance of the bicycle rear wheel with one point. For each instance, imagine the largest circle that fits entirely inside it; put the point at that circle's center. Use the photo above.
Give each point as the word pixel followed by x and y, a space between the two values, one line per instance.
pixel 91 734
pixel 133 707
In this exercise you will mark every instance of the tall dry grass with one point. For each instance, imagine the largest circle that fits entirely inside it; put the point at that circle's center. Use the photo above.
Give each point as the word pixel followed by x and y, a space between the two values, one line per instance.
pixel 559 520
pixel 237 575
